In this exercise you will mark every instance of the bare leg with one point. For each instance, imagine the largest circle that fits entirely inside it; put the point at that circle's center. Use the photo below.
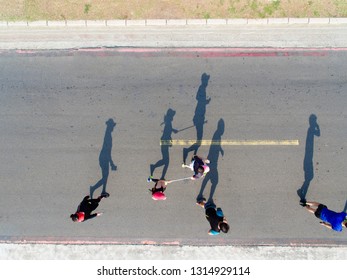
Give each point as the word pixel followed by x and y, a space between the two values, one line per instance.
pixel 312 203
pixel 311 206
pixel 310 209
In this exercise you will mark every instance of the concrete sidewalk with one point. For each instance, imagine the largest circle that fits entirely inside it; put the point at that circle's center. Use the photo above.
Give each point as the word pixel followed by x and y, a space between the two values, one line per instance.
pixel 153 252
pixel 274 33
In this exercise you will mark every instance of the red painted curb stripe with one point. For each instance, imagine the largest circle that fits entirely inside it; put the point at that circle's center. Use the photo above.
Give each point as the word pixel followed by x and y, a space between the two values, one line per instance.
pixel 188 52
pixel 171 242
pixel 202 50
pixel 213 52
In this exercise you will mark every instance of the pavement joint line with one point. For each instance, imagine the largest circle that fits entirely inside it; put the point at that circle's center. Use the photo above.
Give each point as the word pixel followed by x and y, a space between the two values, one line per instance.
pixel 180 142
pixel 174 22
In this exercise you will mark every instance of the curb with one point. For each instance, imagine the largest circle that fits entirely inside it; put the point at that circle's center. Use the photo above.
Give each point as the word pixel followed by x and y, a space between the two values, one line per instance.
pixel 171 22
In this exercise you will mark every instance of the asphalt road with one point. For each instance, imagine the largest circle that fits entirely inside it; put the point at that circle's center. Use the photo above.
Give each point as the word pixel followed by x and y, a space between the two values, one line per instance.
pixel 54 107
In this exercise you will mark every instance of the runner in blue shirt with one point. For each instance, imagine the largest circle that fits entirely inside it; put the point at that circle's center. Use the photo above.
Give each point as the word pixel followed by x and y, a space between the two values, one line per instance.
pixel 330 219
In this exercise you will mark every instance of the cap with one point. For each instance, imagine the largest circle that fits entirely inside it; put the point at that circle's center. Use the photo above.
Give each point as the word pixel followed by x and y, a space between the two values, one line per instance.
pixel 159 196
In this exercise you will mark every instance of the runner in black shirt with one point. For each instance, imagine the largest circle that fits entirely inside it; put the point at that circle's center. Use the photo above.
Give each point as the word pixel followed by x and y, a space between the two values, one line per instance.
pixel 159 188
pixel 85 209
pixel 215 217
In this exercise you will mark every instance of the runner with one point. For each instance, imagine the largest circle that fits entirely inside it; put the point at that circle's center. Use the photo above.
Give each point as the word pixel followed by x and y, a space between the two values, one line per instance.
pixel 159 188
pixel 85 209
pixel 215 216
pixel 330 219
pixel 199 166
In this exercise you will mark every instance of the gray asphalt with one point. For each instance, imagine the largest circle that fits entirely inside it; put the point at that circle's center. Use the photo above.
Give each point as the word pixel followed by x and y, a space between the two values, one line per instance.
pixel 54 108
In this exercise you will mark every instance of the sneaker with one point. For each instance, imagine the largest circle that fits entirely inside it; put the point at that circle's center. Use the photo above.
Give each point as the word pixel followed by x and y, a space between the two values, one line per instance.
pixel 149 179
pixel 201 202
pixel 303 202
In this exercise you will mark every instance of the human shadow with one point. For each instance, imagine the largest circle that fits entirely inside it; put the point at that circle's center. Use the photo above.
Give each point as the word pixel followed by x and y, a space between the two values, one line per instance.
pixel 105 159
pixel 165 144
pixel 199 116
pixel 312 131
pixel 213 156
pixel 345 208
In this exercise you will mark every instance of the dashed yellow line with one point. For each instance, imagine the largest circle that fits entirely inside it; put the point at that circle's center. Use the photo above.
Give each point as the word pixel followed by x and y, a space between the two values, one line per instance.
pixel 231 142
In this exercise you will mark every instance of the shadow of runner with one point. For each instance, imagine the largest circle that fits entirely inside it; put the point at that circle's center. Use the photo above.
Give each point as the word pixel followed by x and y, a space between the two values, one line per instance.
pixel 345 208
pixel 105 159
pixel 199 116
pixel 213 156
pixel 168 129
pixel 312 131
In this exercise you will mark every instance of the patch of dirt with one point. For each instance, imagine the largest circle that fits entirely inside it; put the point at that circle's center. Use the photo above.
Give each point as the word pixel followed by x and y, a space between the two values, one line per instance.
pixel 168 9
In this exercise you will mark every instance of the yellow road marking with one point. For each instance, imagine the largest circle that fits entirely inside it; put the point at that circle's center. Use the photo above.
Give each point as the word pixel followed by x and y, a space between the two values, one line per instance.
pixel 231 142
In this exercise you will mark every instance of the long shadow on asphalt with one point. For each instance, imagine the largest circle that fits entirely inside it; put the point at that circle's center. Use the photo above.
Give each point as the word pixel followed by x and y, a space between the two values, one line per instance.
pixel 213 156
pixel 345 208
pixel 166 136
pixel 105 159
pixel 312 131
pixel 199 116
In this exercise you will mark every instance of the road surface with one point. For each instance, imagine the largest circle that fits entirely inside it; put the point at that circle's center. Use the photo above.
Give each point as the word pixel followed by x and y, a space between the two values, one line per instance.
pixel 55 104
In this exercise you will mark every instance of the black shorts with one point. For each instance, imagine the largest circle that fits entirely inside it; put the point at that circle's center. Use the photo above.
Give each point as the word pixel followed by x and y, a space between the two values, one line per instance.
pixel 319 210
